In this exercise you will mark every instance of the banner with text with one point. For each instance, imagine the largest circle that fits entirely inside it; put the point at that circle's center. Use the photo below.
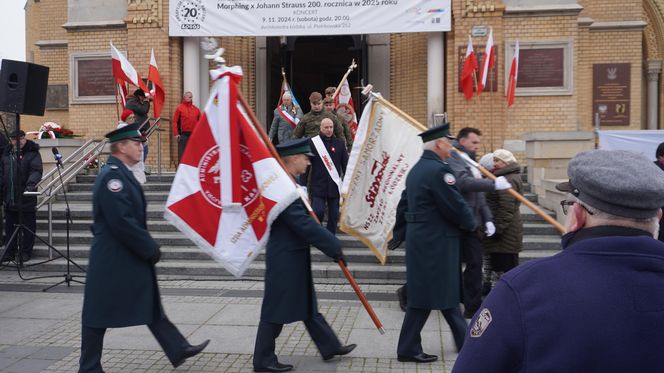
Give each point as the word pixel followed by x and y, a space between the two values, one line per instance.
pixel 376 175
pixel 305 17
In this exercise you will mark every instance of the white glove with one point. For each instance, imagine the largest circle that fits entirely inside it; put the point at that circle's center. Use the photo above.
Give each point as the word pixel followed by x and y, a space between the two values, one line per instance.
pixel 490 229
pixel 501 183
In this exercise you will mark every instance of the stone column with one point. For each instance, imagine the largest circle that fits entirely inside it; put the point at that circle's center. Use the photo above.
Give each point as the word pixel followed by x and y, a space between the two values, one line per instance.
pixel 192 68
pixel 435 75
pixel 653 69
pixel 204 77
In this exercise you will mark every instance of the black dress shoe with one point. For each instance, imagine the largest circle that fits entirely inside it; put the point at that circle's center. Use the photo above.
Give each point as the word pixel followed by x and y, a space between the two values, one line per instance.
pixel 343 350
pixel 191 351
pixel 278 367
pixel 421 358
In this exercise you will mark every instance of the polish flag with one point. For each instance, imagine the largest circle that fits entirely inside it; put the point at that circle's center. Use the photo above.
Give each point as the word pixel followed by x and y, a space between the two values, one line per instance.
pixel 157 91
pixel 122 90
pixel 487 63
pixel 228 189
pixel 343 102
pixel 469 71
pixel 514 73
pixel 124 71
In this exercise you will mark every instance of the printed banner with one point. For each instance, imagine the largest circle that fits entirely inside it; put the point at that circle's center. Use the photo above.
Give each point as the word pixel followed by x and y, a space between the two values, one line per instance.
pixel 306 17
pixel 644 141
pixel 376 175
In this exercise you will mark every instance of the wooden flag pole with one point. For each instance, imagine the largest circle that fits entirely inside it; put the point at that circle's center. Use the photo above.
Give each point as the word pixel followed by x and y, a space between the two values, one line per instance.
pixel 117 111
pixel 342 265
pixel 367 91
pixel 352 67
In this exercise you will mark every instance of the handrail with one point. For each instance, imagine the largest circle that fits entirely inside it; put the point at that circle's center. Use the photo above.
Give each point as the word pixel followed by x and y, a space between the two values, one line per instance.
pixel 65 161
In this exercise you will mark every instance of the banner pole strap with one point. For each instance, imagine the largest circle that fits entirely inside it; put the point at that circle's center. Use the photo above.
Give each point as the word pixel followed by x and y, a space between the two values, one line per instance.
pixel 342 265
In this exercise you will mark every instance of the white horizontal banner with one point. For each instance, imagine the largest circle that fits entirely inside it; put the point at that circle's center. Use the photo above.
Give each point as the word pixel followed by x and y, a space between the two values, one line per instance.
pixel 304 17
pixel 644 141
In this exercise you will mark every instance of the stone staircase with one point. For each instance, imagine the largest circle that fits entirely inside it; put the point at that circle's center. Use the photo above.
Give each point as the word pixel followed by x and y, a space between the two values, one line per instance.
pixel 182 260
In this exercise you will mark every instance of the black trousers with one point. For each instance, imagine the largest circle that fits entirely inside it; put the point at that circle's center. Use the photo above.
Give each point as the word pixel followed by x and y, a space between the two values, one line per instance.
pixel 410 338
pixel 28 239
pixel 182 143
pixel 92 343
pixel 320 204
pixel 471 249
pixel 320 331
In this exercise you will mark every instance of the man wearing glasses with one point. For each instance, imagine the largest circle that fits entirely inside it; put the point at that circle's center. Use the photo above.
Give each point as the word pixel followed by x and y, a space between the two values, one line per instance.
pixel 597 306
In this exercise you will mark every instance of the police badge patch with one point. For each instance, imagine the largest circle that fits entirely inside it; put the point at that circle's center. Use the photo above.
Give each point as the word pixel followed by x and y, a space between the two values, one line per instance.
pixel 481 324
pixel 449 179
pixel 114 185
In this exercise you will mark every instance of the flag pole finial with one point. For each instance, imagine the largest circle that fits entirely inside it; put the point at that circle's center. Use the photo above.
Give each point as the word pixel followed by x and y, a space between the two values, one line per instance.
pixel 214 52
pixel 283 72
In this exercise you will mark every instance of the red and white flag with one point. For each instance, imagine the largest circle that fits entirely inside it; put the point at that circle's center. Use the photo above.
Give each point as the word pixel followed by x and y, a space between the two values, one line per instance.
pixel 157 91
pixel 124 71
pixel 122 90
pixel 514 74
pixel 343 102
pixel 228 189
pixel 488 62
pixel 468 75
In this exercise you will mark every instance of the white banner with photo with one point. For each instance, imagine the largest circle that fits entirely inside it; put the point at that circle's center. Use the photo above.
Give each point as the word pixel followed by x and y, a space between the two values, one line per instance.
pixel 306 17
pixel 376 175
pixel 644 141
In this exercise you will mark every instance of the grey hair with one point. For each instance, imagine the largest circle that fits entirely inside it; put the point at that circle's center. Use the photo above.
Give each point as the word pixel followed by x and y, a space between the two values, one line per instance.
pixel 600 217
pixel 430 145
pixel 286 94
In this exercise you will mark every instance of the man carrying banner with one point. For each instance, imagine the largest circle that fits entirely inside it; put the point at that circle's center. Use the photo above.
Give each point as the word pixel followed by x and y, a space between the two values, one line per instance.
pixel 286 117
pixel 327 169
pixel 121 285
pixel 472 186
pixel 289 289
pixel 434 212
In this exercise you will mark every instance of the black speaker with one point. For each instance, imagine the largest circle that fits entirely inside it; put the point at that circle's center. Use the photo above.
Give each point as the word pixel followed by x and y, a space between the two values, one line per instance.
pixel 23 87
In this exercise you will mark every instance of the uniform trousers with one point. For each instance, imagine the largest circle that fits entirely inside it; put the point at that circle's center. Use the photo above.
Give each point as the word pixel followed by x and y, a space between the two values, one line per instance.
pixel 318 204
pixel 410 338
pixel 92 343
pixel 319 330
pixel 471 249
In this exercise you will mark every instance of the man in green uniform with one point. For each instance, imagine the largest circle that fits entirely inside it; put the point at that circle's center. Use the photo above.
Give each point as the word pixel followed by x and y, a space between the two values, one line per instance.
pixel 121 285
pixel 433 212
pixel 309 126
pixel 289 288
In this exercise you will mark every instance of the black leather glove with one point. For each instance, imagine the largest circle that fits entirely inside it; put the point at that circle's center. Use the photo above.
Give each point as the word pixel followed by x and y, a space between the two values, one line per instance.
pixel 394 244
pixel 31 188
pixel 156 258
pixel 341 258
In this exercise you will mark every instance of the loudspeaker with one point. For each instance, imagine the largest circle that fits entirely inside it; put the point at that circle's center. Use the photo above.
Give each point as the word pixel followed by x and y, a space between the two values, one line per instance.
pixel 23 87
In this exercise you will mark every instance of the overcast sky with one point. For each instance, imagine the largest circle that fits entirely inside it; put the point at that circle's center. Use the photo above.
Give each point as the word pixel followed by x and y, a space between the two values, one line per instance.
pixel 12 30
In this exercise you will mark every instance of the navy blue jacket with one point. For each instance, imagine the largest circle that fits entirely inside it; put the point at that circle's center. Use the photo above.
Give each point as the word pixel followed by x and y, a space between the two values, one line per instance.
pixel 320 182
pixel 289 287
pixel 433 210
pixel 598 306
pixel 121 284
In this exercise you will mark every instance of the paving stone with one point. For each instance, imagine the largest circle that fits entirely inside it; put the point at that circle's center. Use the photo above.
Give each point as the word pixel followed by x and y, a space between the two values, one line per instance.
pixel 52 353
pixel 28 366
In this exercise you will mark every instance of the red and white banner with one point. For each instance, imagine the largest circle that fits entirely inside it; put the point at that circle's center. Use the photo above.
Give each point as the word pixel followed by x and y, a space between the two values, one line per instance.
pixel 469 73
pixel 488 62
pixel 386 147
pixel 157 91
pixel 228 188
pixel 514 74
pixel 343 102
pixel 124 71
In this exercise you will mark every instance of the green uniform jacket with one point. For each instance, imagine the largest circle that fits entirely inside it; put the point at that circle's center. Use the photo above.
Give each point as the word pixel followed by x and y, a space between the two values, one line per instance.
pixel 121 284
pixel 309 125
pixel 289 287
pixel 435 210
pixel 506 216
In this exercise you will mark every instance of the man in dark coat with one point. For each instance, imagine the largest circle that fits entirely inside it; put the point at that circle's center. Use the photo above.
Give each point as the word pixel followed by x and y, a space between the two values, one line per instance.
pixel 659 153
pixel 597 305
pixel 472 187
pixel 434 213
pixel 289 288
pixel 324 189
pixel 139 103
pixel 121 286
pixel 30 173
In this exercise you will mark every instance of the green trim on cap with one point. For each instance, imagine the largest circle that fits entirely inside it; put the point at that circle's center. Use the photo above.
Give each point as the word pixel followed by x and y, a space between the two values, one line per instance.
pixel 301 149
pixel 125 135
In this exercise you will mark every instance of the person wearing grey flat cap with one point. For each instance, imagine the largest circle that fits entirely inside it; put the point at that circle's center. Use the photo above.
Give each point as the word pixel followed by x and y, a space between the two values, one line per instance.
pixel 597 306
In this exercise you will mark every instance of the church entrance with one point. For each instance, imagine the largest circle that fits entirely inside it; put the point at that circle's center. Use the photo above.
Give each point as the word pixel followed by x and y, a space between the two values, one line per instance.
pixel 313 63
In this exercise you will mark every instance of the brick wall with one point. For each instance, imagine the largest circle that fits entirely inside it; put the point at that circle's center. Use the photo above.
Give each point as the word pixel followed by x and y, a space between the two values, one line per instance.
pixel 408 74
pixel 241 51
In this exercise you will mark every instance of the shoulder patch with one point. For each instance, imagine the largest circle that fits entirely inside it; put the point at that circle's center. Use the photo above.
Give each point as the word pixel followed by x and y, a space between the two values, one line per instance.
pixel 481 323
pixel 114 185
pixel 113 167
pixel 449 179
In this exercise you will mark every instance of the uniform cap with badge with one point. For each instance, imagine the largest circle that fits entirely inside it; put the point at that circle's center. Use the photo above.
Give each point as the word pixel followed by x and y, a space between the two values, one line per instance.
pixel 436 133
pixel 294 147
pixel 618 182
pixel 130 131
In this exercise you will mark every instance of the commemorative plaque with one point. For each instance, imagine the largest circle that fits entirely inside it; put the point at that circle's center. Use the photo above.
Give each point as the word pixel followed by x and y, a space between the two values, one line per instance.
pixel 611 93
pixel 541 68
pixel 95 77
pixel 57 96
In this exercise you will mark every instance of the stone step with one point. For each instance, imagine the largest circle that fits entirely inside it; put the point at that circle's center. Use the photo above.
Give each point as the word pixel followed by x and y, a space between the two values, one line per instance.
pixel 166 177
pixel 158 197
pixel 147 187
